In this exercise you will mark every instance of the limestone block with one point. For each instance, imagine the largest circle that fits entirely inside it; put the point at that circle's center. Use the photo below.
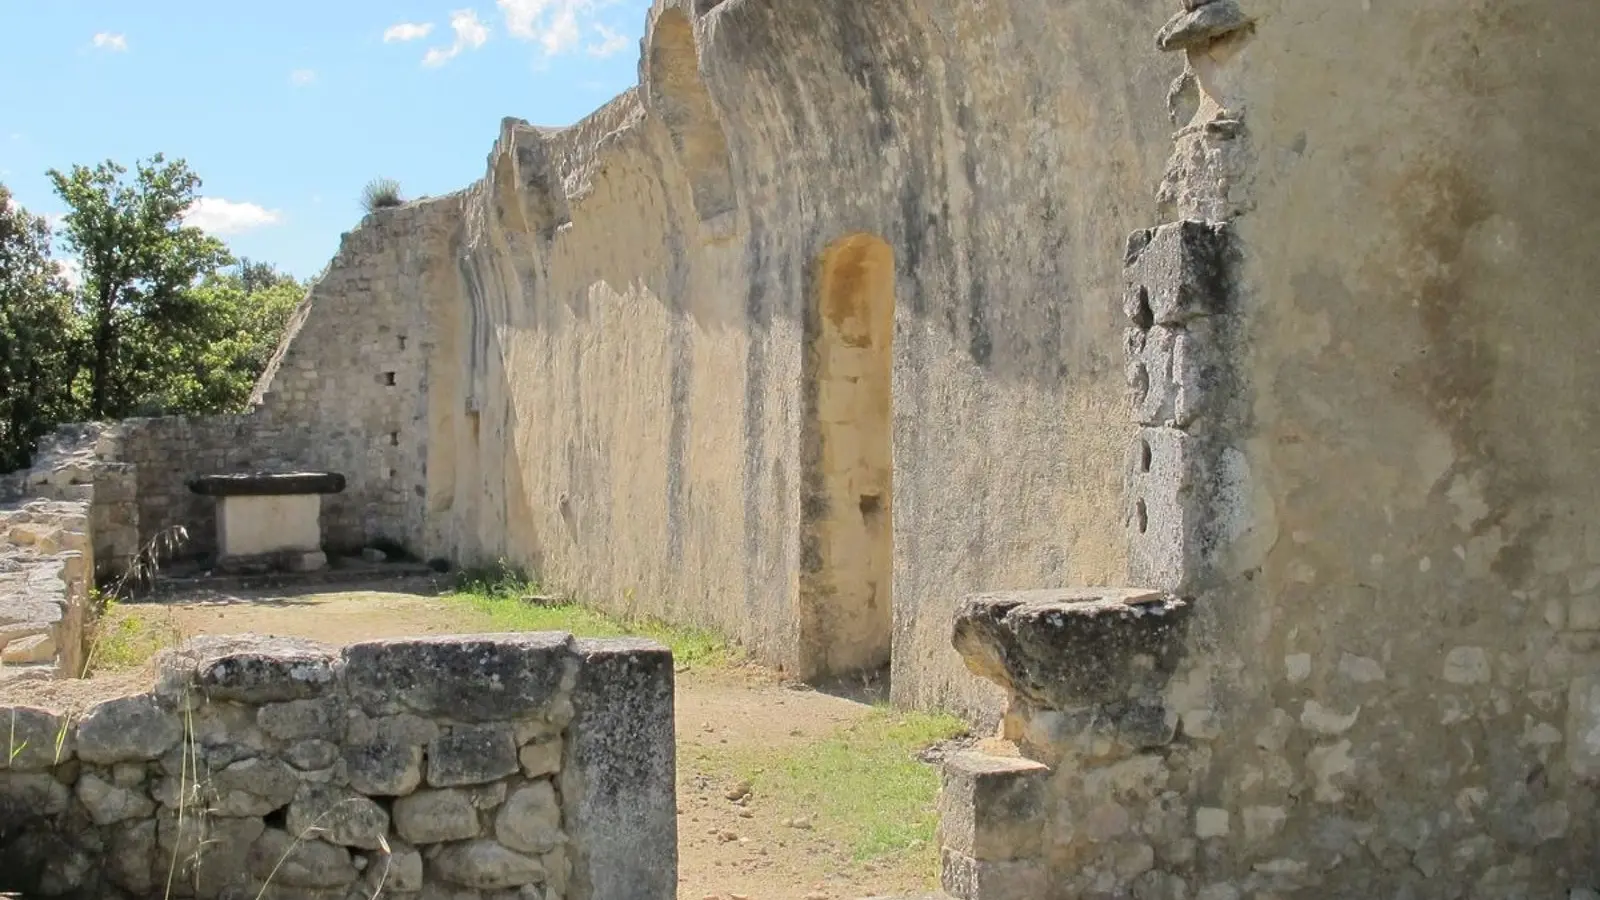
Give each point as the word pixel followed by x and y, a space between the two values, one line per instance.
pixel 338 816
pixel 481 678
pixel 1176 376
pixel 108 804
pixel 1168 479
pixel 131 857
pixel 543 758
pixel 472 755
pixel 247 668
pixel 1176 273
pixel 127 729
pixel 322 719
pixel 484 865
pixel 530 820
pixel 383 767
pixel 1583 726
pixel 257 526
pixel 311 755
pixel 300 863
pixel 965 878
pixel 992 807
pixel 37 792
pixel 617 783
pixel 432 817
pixel 1065 649
pixel 252 787
pixel 34 739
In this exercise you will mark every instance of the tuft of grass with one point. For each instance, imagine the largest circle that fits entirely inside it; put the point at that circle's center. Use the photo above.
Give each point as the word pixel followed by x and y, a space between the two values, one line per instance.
pixel 512 601
pixel 381 193
pixel 862 787
pixel 124 639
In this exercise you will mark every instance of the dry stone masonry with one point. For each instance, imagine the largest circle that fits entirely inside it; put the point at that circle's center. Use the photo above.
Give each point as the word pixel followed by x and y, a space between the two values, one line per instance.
pixel 527 766
pixel 46 572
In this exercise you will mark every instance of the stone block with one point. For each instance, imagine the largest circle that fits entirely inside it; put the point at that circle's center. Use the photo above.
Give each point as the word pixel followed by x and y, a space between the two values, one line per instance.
pixel 383 767
pixel 296 863
pixel 618 779
pixel 252 787
pixel 472 755
pixel 476 678
pixel 1176 376
pixel 1177 272
pixel 530 819
pixel 433 817
pixel 992 807
pixel 1168 477
pixel 484 865
pixel 127 729
pixel 249 668
pixel 1583 727
pixel 1065 649
pixel 965 878
pixel 338 816
pixel 34 739
pixel 108 804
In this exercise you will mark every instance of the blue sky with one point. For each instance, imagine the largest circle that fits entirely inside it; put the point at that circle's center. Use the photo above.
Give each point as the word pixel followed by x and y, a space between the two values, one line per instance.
pixel 287 109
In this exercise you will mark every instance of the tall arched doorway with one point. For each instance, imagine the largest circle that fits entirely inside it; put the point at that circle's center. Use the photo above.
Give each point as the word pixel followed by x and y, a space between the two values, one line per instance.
pixel 847 529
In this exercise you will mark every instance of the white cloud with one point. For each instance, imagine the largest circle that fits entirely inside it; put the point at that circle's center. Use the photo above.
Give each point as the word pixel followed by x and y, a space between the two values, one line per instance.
pixel 557 26
pixel 302 77
pixel 222 217
pixel 406 31
pixel 611 42
pixel 470 35
pixel 71 271
pixel 106 40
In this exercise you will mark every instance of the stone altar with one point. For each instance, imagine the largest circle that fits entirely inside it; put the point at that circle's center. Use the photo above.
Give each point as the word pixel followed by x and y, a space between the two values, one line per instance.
pixel 269 521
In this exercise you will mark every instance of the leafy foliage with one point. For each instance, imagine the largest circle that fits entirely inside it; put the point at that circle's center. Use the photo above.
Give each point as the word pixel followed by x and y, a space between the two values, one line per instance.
pixel 36 332
pixel 157 323
pixel 139 264
pixel 381 193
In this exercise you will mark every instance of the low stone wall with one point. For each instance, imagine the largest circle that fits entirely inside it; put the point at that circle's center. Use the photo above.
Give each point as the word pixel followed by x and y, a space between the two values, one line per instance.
pixel 529 766
pixel 84 463
pixel 46 557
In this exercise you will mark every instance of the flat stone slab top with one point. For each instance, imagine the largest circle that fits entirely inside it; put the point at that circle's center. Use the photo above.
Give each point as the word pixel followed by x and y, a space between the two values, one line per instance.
pixel 264 484
pixel 1073 647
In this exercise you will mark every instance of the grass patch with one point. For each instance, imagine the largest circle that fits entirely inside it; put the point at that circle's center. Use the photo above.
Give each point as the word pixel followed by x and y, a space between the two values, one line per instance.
pixel 513 602
pixel 863 786
pixel 123 639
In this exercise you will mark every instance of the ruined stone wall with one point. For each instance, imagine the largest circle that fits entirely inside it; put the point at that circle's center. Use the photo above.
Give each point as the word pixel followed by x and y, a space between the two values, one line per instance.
pixel 1374 676
pixel 491 766
pixel 46 571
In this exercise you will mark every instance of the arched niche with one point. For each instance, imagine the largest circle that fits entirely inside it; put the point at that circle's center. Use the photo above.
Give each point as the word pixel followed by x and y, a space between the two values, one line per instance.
pixel 679 97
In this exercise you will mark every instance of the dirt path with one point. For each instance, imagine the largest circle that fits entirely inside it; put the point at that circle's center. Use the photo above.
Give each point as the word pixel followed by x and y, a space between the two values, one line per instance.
pixel 750 847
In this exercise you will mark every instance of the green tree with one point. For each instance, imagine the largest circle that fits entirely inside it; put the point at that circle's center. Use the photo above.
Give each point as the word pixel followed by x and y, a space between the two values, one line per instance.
pixel 249 309
pixel 141 315
pixel 35 334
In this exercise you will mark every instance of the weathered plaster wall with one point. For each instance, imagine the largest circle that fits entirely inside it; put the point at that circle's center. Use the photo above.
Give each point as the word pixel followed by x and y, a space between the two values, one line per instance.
pixel 618 392
pixel 1406 658
pixel 482 767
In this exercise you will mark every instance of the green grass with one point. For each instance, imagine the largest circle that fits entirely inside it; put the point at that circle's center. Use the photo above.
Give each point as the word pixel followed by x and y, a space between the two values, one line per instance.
pixel 500 595
pixel 863 786
pixel 123 639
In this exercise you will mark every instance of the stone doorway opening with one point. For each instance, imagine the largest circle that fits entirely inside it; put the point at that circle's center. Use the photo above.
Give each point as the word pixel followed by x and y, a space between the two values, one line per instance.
pixel 847 530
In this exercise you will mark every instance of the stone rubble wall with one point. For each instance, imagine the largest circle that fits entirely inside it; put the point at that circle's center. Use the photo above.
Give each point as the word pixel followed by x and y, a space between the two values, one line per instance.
pixel 46 561
pixel 527 766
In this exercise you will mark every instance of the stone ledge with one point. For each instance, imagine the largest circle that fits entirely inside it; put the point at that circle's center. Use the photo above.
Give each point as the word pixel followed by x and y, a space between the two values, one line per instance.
pixel 1074 647
pixel 262 484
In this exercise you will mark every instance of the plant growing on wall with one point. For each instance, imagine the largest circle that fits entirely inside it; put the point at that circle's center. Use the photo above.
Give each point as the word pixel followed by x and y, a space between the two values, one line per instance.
pixel 381 193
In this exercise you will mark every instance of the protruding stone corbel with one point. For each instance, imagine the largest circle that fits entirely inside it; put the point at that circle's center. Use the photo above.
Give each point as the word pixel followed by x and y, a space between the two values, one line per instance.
pixel 1202 22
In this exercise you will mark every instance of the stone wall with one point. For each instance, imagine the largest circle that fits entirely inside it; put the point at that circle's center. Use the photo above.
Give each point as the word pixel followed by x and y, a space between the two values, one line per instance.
pixel 1362 658
pixel 46 571
pixel 490 766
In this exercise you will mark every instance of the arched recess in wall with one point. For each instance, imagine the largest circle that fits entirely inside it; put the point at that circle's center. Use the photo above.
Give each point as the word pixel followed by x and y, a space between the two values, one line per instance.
pixel 678 95
pixel 846 529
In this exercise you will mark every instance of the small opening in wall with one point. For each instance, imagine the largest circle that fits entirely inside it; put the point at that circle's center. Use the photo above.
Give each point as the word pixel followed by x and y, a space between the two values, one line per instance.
pixel 394 474
pixel 1141 516
pixel 402 342
pixel 388 379
pixel 871 505
pixel 1144 455
pixel 1143 316
pixel 394 441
